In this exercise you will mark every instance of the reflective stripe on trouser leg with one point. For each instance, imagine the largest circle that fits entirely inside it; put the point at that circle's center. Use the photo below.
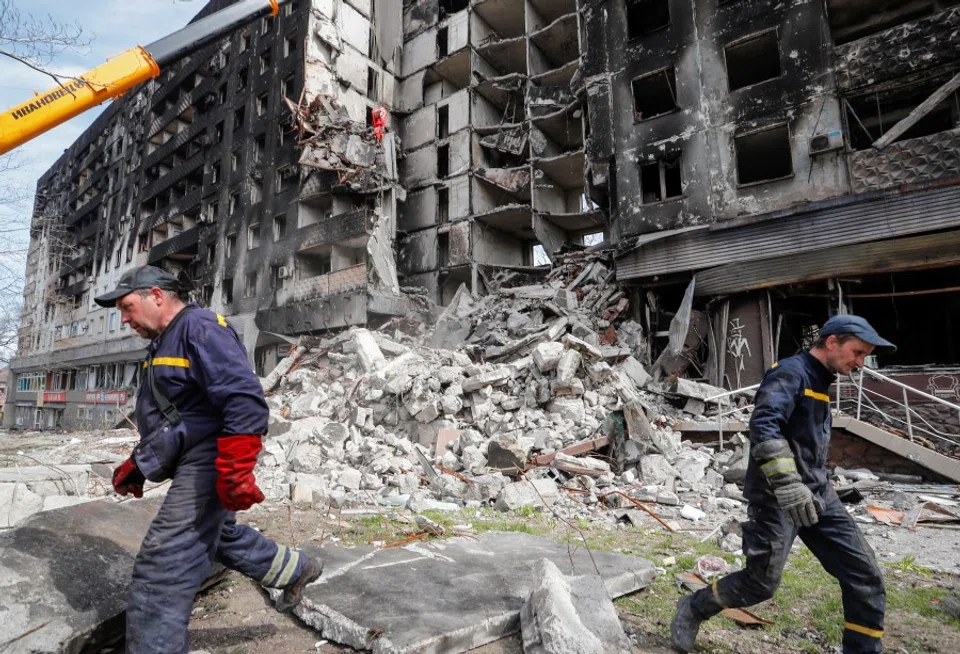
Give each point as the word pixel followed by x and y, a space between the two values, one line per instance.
pixel 843 551
pixel 249 552
pixel 175 558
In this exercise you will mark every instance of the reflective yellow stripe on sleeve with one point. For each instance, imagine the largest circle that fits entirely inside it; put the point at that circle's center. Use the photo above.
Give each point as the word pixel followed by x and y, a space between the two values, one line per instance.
pixel 221 320
pixel 866 631
pixel 716 595
pixel 823 397
pixel 175 362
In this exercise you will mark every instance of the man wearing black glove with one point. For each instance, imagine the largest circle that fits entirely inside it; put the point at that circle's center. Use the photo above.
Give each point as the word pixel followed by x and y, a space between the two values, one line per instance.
pixel 790 495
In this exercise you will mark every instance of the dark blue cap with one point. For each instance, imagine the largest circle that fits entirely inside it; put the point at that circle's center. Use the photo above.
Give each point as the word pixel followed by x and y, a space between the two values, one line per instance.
pixel 136 279
pixel 858 327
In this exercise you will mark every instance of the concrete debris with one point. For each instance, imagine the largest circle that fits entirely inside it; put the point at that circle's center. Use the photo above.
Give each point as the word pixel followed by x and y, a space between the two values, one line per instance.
pixel 570 615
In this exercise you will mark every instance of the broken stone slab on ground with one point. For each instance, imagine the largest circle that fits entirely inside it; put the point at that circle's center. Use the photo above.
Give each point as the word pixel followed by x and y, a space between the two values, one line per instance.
pixel 65 574
pixel 469 591
pixel 570 615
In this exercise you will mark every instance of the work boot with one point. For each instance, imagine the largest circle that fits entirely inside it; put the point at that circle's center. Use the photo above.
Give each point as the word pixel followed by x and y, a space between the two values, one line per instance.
pixel 293 593
pixel 685 625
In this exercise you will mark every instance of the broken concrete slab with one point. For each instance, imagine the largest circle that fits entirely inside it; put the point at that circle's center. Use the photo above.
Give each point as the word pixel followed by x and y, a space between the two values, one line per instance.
pixel 462 601
pixel 65 574
pixel 540 492
pixel 570 615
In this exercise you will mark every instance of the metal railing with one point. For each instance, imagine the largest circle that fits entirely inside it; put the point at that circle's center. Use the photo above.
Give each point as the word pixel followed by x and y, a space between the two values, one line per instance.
pixel 868 401
pixel 725 400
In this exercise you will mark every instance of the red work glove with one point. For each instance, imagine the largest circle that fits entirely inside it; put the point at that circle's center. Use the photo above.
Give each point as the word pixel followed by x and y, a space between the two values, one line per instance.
pixel 235 483
pixel 127 478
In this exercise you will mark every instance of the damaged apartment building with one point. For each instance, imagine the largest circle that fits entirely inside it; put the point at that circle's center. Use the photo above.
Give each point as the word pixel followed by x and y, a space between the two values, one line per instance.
pixel 782 162
pixel 299 174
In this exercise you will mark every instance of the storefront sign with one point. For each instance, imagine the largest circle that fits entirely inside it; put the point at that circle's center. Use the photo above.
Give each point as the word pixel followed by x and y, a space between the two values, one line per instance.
pixel 55 398
pixel 104 397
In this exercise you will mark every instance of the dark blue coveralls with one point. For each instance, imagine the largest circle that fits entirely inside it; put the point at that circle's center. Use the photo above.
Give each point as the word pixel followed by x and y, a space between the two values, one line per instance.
pixel 793 403
pixel 200 365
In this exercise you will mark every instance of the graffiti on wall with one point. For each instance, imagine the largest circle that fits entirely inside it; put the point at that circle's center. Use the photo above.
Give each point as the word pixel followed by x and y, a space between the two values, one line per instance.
pixel 738 347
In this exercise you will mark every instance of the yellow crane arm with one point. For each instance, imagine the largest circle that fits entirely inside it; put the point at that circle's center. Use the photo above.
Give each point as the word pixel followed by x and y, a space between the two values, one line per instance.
pixel 47 110
pixel 120 74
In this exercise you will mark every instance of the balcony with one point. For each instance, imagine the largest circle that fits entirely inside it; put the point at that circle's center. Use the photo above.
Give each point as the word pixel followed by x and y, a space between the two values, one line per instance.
pixel 916 45
pixel 183 243
pixel 76 289
pixel 335 229
pixel 349 279
pixel 76 263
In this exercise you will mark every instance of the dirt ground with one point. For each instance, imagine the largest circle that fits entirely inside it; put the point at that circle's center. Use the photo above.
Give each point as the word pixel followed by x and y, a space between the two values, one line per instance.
pixel 236 617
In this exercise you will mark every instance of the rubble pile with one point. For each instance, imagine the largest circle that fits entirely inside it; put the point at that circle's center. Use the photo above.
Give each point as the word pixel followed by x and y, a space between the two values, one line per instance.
pixel 532 395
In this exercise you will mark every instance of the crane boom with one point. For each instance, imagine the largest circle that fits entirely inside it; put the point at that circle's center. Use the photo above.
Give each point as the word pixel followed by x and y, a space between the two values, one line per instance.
pixel 123 72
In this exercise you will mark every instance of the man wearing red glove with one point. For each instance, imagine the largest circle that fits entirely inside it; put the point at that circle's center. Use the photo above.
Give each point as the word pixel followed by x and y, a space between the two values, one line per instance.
pixel 201 414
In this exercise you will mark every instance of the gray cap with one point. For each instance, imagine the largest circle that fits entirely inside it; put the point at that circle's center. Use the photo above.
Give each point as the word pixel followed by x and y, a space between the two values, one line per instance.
pixel 136 279
pixel 858 327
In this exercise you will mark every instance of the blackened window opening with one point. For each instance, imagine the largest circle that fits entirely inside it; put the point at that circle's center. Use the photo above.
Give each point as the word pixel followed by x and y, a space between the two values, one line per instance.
pixel 753 61
pixel 764 156
pixel 443 161
pixel 646 16
pixel 655 94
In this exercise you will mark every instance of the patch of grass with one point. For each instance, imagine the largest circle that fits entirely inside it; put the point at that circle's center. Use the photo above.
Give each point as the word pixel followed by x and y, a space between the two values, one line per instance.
pixel 908 565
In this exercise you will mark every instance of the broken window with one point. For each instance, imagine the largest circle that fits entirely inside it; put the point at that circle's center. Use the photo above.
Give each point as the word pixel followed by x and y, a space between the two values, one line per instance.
pixel 244 42
pixel 443 42
pixel 443 250
pixel 262 104
pixel 290 45
pixel 211 253
pixel 646 16
pixel 452 6
pixel 660 180
pixel 764 156
pixel 279 227
pixel 238 118
pixel 242 79
pixel 372 83
pixel 287 87
pixel 443 161
pixel 753 60
pixel 250 287
pixel 265 61
pixel 443 205
pixel 233 203
pixel 592 239
pixel 276 278
pixel 871 116
pixel 259 144
pixel 253 236
pixel 231 245
pixel 850 21
pixel 234 162
pixel 655 94
pixel 143 242
pixel 228 290
pixel 207 295
pixel 443 121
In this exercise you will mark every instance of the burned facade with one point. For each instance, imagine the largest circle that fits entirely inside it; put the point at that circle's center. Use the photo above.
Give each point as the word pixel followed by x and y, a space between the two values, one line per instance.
pixel 791 160
pixel 493 136
pixel 255 169
pixel 199 172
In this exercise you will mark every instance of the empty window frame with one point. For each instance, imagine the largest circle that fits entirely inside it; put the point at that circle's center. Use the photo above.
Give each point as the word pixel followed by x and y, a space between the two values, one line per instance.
pixel 660 180
pixel 250 287
pixel 228 290
pixel 871 116
pixel 764 156
pixel 655 94
pixel 646 16
pixel 443 250
pixel 443 205
pixel 753 60
pixel 443 42
pixel 265 61
pixel 279 227
pixel 231 245
pixel 253 236
pixel 443 121
pixel 453 6
pixel 443 161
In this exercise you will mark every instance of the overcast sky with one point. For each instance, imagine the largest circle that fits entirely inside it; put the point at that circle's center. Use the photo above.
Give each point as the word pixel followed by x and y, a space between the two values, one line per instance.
pixel 112 26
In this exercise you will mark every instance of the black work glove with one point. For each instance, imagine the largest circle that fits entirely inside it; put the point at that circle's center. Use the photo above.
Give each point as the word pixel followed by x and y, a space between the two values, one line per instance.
pixel 780 468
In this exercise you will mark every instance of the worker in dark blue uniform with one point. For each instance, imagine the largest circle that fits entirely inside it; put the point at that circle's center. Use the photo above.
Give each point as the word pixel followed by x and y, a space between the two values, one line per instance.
pixel 201 414
pixel 789 494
